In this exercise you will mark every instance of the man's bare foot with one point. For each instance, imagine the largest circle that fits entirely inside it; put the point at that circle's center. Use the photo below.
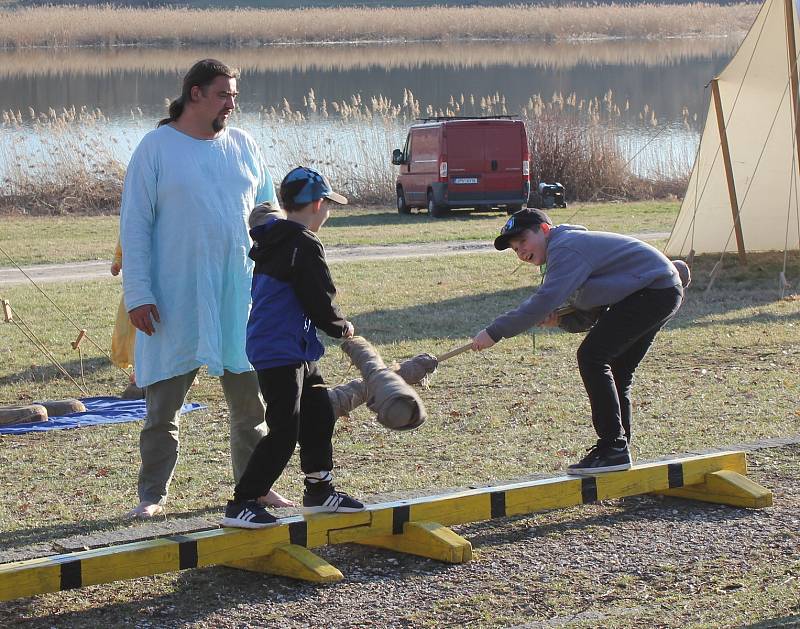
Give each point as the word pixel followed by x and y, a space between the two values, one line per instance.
pixel 145 511
pixel 274 499
pixel 132 392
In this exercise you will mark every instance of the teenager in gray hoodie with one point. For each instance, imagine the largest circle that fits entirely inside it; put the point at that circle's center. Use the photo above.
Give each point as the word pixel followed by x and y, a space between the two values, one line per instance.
pixel 633 286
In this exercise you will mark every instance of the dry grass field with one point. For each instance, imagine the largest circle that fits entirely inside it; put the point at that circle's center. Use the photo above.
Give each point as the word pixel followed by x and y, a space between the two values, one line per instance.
pixel 110 26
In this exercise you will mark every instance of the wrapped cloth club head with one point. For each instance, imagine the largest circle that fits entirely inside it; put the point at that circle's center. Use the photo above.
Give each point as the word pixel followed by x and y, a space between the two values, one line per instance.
pixel 350 395
pixel 395 404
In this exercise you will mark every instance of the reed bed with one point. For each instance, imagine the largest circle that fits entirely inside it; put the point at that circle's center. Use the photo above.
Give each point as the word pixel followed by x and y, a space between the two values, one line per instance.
pixel 582 145
pixel 114 26
pixel 60 163
pixel 552 56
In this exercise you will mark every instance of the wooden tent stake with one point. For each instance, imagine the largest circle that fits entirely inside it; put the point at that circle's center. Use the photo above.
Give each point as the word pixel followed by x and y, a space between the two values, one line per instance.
pixel 9 316
pixel 76 343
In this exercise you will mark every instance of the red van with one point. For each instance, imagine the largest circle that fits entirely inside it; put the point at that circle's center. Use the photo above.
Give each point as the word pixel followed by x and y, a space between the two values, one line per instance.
pixel 463 163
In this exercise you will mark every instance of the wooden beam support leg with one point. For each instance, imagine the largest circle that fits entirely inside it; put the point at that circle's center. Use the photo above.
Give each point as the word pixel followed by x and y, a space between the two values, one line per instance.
pixel 727 488
pixel 293 561
pixel 425 539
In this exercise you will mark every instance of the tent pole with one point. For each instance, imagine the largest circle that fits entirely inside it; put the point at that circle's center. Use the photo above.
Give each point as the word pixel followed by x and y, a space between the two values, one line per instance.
pixel 726 158
pixel 788 6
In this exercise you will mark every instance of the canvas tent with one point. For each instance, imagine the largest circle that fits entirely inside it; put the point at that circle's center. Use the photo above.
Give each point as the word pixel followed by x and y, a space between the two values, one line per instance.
pixel 743 190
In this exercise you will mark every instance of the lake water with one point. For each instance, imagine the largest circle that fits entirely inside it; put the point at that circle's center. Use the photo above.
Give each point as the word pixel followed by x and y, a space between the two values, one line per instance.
pixel 655 83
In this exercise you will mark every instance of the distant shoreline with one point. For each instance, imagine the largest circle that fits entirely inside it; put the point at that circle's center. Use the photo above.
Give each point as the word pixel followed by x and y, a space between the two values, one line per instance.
pixel 334 43
pixel 112 27
pixel 361 56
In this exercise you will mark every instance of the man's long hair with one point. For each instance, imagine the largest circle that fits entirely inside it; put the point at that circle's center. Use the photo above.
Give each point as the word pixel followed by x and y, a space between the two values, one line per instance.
pixel 201 74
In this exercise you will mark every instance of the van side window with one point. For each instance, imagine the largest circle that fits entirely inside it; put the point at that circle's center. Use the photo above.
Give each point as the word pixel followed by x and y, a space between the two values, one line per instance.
pixel 426 145
pixel 407 150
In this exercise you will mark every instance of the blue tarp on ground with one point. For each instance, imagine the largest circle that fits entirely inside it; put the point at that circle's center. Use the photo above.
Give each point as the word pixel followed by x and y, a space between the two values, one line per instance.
pixel 99 410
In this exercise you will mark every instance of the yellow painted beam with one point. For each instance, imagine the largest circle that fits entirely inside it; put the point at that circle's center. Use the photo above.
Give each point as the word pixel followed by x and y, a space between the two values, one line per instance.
pixel 457 508
pixel 382 522
pixel 293 561
pixel 26 578
pixel 543 496
pixel 105 565
pixel 426 539
pixel 728 488
pixel 319 526
pixel 224 546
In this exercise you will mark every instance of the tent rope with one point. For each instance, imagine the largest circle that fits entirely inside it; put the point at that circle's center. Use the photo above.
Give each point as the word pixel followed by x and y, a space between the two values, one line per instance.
pixel 28 332
pixel 64 314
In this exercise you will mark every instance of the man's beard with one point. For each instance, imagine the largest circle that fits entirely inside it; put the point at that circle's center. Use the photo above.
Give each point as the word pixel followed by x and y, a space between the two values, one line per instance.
pixel 219 124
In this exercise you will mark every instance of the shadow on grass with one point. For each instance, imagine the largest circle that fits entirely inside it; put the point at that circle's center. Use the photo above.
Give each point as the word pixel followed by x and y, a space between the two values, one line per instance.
pixel 776 623
pixel 465 316
pixel 48 373
pixel 37 541
pixel 202 592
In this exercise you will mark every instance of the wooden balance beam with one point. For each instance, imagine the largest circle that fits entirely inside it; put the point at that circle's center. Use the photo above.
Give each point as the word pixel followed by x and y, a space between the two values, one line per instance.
pixel 416 526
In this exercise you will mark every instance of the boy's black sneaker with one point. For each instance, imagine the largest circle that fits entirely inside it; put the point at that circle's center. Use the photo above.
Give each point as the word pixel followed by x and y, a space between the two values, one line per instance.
pixel 602 458
pixel 247 514
pixel 330 501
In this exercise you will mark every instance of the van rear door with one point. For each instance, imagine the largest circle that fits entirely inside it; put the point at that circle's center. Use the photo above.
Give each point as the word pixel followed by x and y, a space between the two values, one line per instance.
pixel 464 146
pixel 503 156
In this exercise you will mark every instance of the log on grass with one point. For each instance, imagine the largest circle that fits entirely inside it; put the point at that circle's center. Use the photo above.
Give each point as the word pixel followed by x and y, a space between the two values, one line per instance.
pixel 22 414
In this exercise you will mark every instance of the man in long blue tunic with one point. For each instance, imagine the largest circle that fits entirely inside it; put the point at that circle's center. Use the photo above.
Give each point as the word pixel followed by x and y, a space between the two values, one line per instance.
pixel 189 186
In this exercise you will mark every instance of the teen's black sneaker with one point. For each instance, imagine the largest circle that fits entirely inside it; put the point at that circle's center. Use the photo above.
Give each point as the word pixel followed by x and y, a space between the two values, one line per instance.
pixel 247 514
pixel 330 501
pixel 602 458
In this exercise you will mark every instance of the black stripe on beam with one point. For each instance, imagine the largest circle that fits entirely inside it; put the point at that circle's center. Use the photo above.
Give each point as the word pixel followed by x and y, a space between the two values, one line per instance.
pixel 298 533
pixel 187 551
pixel 675 475
pixel 71 575
pixel 400 515
pixel 589 489
pixel 498 504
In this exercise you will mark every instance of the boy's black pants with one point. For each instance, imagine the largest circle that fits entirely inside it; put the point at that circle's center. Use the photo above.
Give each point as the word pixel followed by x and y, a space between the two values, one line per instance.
pixel 613 348
pixel 298 411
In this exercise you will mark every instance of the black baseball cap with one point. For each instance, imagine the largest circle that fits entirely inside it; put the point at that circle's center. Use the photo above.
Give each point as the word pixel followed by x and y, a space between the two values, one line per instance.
pixel 517 223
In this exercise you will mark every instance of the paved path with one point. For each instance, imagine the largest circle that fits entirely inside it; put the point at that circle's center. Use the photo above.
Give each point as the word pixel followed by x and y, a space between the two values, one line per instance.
pixel 98 269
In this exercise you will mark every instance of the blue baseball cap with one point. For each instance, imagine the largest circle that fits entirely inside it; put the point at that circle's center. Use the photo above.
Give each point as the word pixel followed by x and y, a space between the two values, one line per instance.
pixel 304 185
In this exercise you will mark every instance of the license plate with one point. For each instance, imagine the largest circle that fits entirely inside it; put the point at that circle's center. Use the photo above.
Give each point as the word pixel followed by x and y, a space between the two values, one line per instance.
pixel 465 180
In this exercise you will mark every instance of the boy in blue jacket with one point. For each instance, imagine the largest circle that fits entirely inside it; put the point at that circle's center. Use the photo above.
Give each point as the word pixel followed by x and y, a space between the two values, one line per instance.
pixel 634 288
pixel 293 295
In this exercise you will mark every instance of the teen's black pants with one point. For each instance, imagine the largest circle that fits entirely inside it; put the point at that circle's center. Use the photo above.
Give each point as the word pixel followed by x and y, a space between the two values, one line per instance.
pixel 298 411
pixel 613 348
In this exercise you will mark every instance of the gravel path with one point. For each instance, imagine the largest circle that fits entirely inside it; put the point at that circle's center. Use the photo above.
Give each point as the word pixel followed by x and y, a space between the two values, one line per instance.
pixel 98 269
